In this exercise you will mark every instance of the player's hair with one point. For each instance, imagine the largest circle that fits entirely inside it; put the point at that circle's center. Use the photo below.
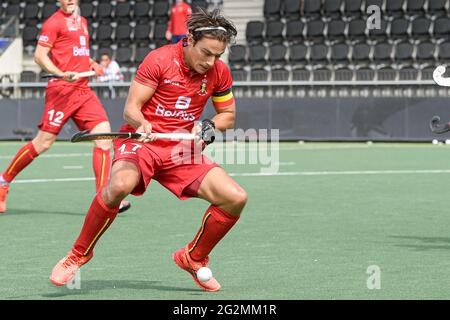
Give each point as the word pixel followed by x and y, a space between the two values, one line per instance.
pixel 211 24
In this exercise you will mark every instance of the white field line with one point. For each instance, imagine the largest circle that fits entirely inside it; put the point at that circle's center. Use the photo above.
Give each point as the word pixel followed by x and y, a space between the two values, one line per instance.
pixel 274 174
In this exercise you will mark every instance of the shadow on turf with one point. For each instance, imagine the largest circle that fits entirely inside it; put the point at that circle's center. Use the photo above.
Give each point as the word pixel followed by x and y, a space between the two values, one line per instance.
pixel 97 285
pixel 35 212
pixel 427 243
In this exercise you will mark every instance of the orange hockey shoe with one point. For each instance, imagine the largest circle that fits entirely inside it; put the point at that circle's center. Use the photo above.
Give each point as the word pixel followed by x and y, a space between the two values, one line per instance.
pixel 3 192
pixel 185 262
pixel 67 267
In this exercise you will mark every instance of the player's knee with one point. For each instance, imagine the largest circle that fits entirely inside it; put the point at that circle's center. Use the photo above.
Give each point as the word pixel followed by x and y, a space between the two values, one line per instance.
pixel 120 188
pixel 42 146
pixel 238 198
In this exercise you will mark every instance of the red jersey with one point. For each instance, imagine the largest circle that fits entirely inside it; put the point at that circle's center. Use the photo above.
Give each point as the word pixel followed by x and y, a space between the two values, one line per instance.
pixel 180 95
pixel 178 18
pixel 68 39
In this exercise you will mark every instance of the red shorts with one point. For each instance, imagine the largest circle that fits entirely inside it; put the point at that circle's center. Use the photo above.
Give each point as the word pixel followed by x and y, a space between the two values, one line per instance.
pixel 172 164
pixel 65 102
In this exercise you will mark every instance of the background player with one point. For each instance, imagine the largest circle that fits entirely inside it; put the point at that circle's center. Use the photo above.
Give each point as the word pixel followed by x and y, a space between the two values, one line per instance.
pixel 63 49
pixel 169 93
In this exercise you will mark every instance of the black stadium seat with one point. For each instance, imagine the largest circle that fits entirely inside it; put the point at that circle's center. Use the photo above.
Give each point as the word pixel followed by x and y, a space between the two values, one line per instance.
pixel 142 34
pixel 353 8
pixel 257 55
pixel 442 28
pixel 415 7
pixel 361 53
pixel 141 12
pixel 124 56
pixel 425 52
pixel 394 8
pixel 420 28
pixel 141 53
pixel 294 30
pixel 382 53
pixel 336 30
pixel 123 12
pixel 315 30
pixel 319 54
pixel 339 53
pixel 399 28
pixel 311 8
pixel 238 56
pixel 277 55
pixel 404 53
pixel 291 9
pixel 87 10
pixel 254 31
pixel 298 54
pixel 357 29
pixel 272 9
pixel 104 35
pixel 161 11
pixel 104 12
pixel 123 35
pixel 437 7
pixel 274 31
pixel 332 8
pixel 48 9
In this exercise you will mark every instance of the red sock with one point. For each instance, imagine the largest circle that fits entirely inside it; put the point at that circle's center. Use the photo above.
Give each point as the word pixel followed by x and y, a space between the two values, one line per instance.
pixel 97 221
pixel 215 225
pixel 22 159
pixel 101 162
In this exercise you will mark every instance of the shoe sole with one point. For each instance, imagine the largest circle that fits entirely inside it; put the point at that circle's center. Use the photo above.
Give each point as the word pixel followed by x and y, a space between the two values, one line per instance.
pixel 179 264
pixel 125 208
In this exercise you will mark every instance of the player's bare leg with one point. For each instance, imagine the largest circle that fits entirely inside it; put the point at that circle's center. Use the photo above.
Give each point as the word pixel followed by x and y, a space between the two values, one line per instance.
pixel 102 161
pixel 41 143
pixel 227 200
pixel 102 212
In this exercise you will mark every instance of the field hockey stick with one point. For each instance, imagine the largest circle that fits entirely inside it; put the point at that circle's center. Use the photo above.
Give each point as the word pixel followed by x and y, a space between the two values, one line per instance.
pixel 438 77
pixel 85 74
pixel 85 136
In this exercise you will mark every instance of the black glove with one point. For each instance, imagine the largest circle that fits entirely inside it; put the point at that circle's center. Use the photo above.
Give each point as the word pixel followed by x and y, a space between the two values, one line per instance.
pixel 208 133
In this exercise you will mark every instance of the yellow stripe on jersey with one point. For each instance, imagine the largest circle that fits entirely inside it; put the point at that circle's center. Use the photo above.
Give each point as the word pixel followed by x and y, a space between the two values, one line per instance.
pixel 224 98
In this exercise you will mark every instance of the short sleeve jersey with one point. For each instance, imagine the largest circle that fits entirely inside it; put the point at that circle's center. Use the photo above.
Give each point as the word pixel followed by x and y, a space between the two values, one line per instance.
pixel 180 95
pixel 68 39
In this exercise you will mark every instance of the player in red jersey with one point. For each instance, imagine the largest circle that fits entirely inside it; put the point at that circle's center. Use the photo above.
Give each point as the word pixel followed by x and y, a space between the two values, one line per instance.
pixel 63 50
pixel 169 93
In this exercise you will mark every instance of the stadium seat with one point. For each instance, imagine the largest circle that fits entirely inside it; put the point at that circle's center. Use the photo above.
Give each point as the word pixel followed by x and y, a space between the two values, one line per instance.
pixel 87 10
pixel 318 55
pixel 28 76
pixel 404 54
pixel 48 9
pixel 104 12
pixel 237 56
pixel 343 74
pixel 291 9
pixel 352 8
pixel 294 30
pixel 13 10
pixel 123 12
pixel 360 54
pixel 124 56
pixel 408 74
pixel 161 11
pixel 332 8
pixel 394 8
pixel 315 30
pixel 441 29
pixel 259 74
pixel 277 55
pixel 257 55
pixel 399 29
pixel 239 74
pixel 274 31
pixel 301 74
pixel 357 30
pixel 444 52
pixel 279 74
pixel 103 35
pixel 31 14
pixel 437 7
pixel 386 73
pixel 159 34
pixel 336 30
pixel 123 35
pixel 254 32
pixel 141 12
pixel 382 53
pixel 142 34
pixel 364 74
pixel 272 9
pixel 298 55
pixel 415 7
pixel 339 53
pixel 424 53
pixel 426 73
pixel 104 50
pixel 140 54
pixel 30 35
pixel 311 9
pixel 420 28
